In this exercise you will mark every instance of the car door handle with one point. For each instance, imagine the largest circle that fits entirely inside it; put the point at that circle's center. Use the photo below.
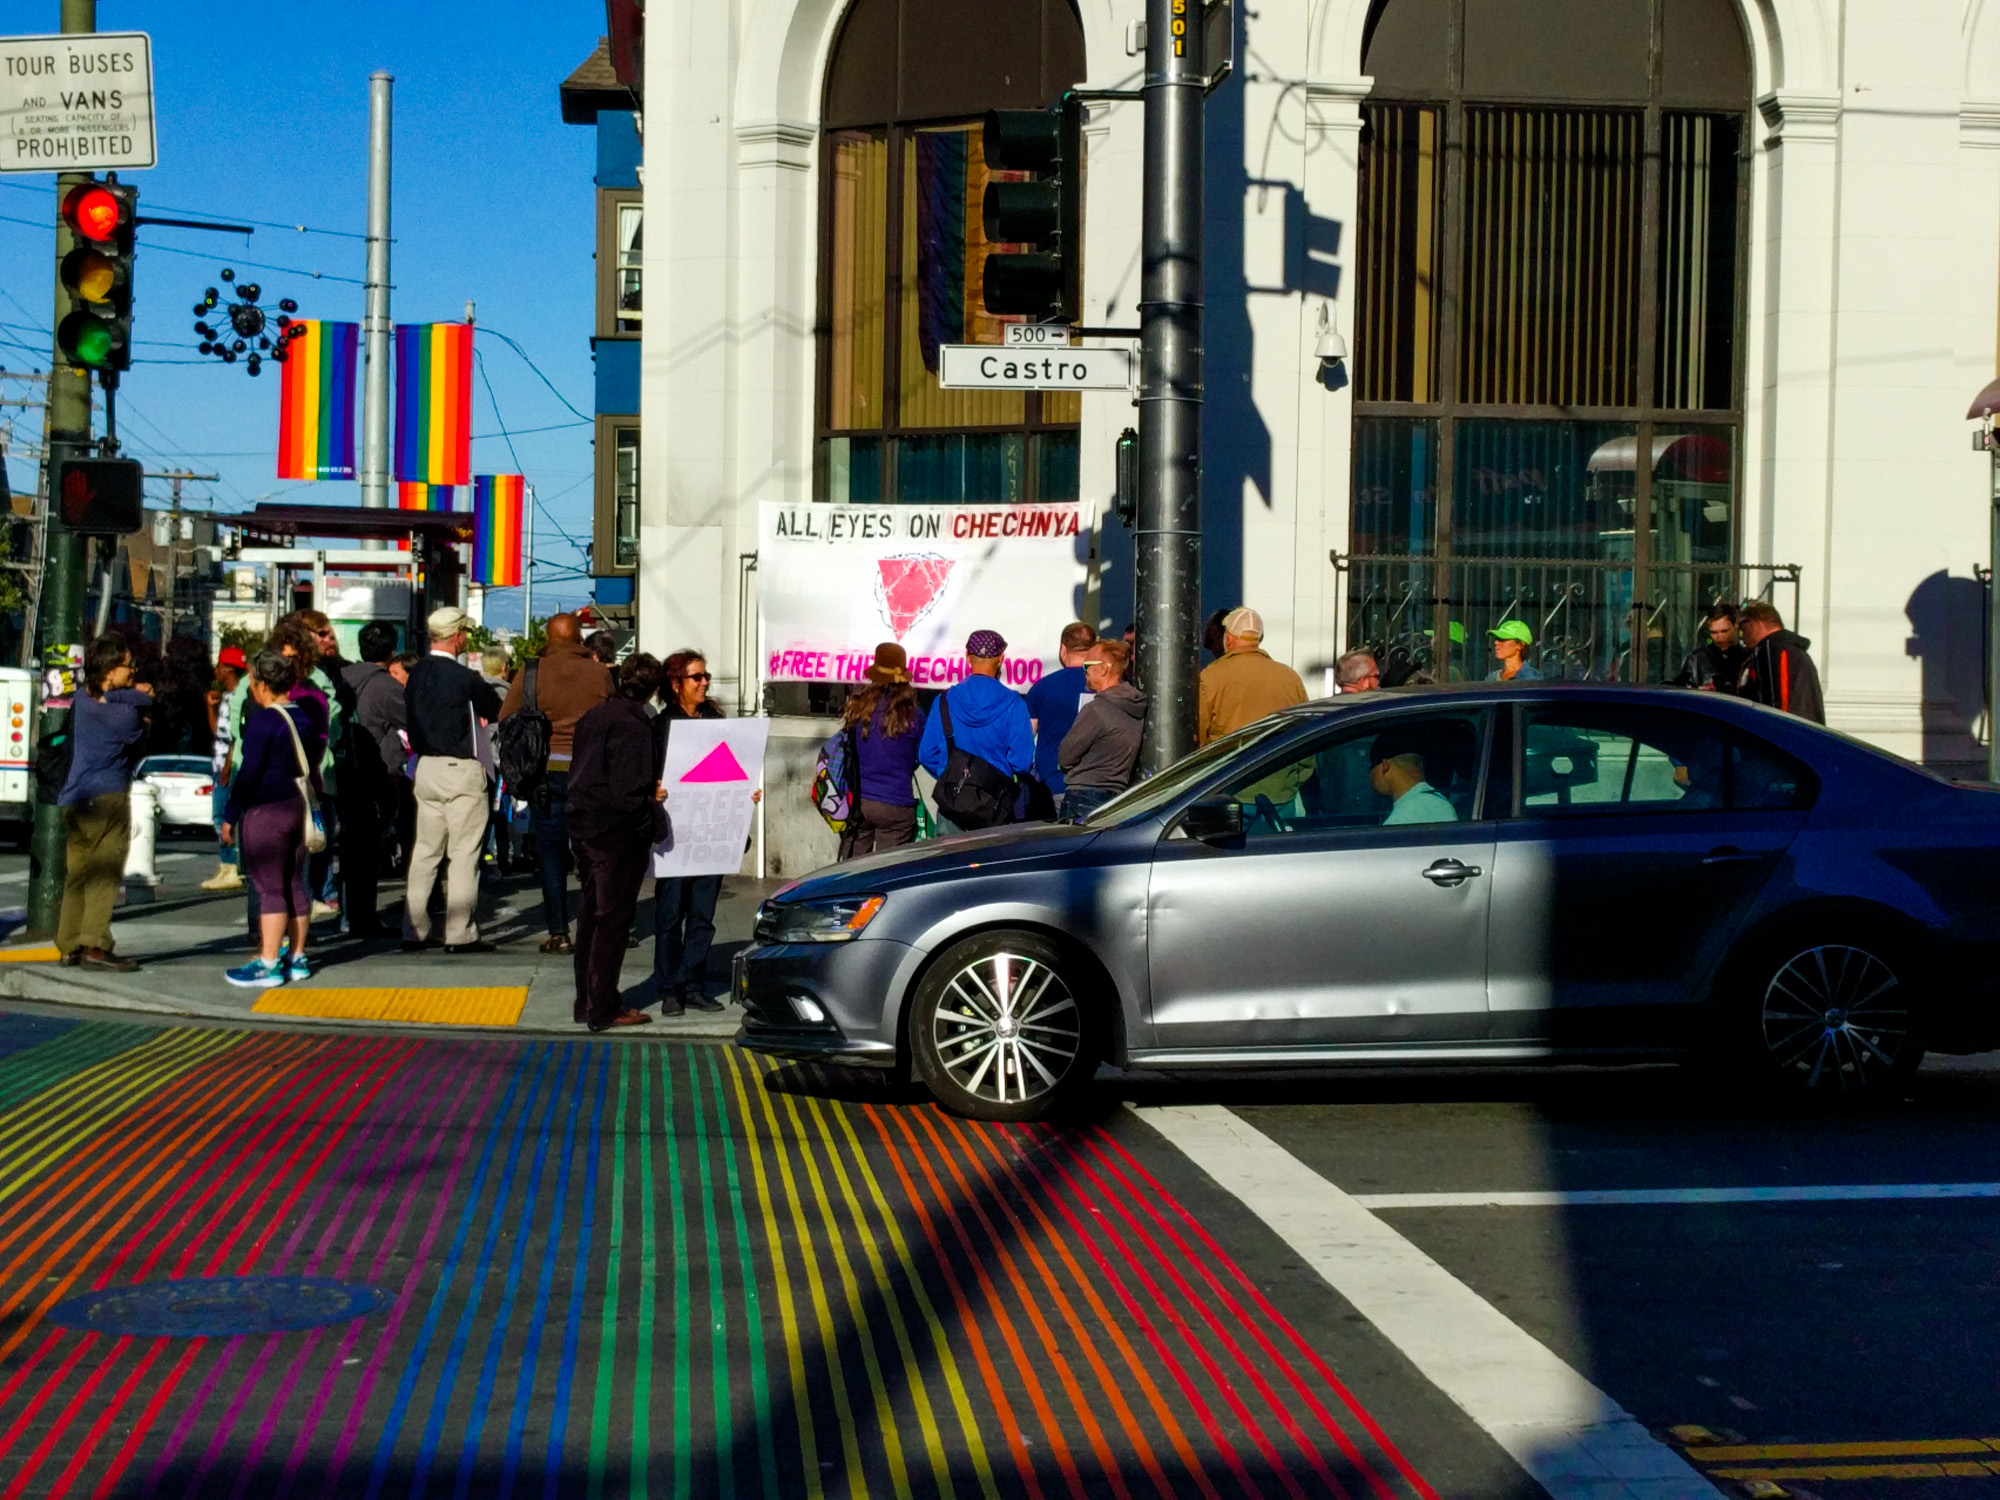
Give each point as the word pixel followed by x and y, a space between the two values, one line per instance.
pixel 1451 872
pixel 1729 854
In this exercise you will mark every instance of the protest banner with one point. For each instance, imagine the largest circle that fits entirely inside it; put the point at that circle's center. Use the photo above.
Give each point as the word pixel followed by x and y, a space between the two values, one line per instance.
pixel 834 581
pixel 712 767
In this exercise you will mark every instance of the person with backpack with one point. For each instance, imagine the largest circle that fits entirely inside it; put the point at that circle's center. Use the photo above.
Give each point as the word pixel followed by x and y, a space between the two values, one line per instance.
pixel 284 742
pixel 882 724
pixel 107 736
pixel 546 701
pixel 615 815
pixel 978 742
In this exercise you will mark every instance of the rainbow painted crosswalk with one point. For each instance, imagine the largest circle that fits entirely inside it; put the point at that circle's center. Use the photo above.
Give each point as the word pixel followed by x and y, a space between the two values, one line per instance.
pixel 609 1270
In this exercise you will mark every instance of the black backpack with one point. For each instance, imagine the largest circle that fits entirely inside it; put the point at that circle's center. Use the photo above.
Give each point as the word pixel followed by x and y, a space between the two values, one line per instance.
pixel 521 742
pixel 973 793
pixel 53 755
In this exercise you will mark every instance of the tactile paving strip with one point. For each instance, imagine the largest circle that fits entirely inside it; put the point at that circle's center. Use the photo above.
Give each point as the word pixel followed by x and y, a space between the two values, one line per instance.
pixel 439 1007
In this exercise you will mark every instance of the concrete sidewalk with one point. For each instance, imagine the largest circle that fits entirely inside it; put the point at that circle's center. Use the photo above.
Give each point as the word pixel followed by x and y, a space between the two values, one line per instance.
pixel 185 937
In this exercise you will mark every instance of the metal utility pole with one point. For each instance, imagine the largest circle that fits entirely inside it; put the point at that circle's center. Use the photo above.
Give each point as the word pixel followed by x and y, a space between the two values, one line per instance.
pixel 528 567
pixel 375 317
pixel 60 616
pixel 1168 529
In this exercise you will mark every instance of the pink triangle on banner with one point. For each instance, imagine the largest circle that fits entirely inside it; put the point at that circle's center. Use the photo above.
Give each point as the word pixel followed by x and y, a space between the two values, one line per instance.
pixel 717 765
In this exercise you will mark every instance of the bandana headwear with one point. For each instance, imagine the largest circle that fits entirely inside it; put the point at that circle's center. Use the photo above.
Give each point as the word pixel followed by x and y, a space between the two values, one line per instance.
pixel 985 644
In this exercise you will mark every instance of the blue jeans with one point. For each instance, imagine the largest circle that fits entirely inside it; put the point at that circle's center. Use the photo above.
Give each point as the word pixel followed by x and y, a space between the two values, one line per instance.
pixel 683 928
pixel 548 820
pixel 218 798
pixel 1079 802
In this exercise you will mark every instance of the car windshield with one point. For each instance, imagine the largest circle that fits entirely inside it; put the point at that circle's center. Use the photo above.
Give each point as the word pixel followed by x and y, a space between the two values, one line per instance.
pixel 173 765
pixel 1143 798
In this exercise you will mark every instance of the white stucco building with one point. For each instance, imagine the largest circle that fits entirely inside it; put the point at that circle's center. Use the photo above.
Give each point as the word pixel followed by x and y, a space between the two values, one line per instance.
pixel 1758 241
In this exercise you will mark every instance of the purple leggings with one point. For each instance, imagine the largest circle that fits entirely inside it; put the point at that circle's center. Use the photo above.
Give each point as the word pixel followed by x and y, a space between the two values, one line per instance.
pixel 274 857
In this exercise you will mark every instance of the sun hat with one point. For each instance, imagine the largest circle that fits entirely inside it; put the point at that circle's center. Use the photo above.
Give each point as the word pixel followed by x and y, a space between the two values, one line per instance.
pixel 1244 623
pixel 891 664
pixel 1513 630
pixel 985 644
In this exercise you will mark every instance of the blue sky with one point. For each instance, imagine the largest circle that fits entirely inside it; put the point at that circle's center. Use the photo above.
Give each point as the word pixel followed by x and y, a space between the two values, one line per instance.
pixel 263 115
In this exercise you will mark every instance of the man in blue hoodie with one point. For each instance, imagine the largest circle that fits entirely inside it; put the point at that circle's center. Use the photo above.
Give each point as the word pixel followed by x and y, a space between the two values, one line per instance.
pixel 988 720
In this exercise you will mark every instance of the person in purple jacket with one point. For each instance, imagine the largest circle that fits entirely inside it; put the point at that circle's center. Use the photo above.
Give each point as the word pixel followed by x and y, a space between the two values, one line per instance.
pixel 284 736
pixel 887 724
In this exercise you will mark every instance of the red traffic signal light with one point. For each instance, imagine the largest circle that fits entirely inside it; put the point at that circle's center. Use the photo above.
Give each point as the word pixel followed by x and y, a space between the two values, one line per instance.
pixel 94 211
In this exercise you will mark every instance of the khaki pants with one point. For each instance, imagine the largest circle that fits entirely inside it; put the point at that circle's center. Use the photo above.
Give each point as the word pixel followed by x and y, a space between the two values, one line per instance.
pixel 451 825
pixel 100 833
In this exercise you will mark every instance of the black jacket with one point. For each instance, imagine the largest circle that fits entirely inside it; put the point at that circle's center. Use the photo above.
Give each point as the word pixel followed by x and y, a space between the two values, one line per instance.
pixel 663 721
pixel 1709 666
pixel 1780 673
pixel 440 701
pixel 613 774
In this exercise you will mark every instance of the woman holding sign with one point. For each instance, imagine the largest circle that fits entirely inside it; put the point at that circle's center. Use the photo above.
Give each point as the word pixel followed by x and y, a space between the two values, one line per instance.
pixel 684 906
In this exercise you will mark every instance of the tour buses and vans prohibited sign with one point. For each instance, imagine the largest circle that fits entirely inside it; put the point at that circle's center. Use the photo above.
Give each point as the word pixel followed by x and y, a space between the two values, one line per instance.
pixel 833 581
pixel 81 103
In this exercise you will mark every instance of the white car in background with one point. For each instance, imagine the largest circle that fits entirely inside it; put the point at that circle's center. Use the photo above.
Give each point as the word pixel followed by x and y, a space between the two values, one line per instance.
pixel 184 783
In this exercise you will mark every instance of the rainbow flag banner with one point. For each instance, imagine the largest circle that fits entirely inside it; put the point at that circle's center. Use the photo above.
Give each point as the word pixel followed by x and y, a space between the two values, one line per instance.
pixel 316 401
pixel 499 506
pixel 434 402
pixel 414 494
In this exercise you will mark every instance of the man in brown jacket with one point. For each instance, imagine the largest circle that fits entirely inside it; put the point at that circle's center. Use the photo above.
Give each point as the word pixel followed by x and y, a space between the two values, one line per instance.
pixel 1243 684
pixel 569 682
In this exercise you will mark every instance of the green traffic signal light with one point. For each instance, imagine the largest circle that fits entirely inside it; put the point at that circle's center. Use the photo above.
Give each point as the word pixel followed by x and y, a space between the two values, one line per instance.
pixel 88 340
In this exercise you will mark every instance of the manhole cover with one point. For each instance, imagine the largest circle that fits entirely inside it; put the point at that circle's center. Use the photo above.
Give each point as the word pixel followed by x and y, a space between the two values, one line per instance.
pixel 218 1307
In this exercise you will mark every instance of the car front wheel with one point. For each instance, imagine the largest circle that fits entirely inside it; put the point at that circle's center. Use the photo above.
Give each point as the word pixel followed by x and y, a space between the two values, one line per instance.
pixel 997 1031
pixel 1835 1017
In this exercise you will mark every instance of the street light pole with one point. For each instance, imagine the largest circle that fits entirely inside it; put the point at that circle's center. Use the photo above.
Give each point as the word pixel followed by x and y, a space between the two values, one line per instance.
pixel 375 310
pixel 1167 533
pixel 60 615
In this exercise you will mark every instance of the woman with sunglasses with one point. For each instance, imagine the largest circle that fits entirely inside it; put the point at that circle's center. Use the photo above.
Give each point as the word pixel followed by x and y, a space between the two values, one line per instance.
pixel 684 906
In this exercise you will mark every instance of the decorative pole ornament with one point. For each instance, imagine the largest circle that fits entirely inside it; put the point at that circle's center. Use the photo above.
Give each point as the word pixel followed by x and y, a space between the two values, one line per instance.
pixel 243 327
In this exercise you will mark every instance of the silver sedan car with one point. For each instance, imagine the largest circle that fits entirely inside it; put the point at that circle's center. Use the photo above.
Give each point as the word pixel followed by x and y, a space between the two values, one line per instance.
pixel 1438 875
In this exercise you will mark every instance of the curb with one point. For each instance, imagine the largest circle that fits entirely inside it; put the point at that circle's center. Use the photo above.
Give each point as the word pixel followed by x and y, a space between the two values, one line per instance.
pixel 25 982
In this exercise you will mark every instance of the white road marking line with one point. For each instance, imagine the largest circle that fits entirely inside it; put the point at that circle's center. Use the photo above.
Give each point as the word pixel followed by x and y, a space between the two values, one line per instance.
pixel 1576 1441
pixel 1615 1197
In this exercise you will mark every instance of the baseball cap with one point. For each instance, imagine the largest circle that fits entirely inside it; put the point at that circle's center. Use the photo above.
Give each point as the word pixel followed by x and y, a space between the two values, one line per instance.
pixel 1513 630
pixel 1455 630
pixel 232 656
pixel 446 620
pixel 985 644
pixel 1243 622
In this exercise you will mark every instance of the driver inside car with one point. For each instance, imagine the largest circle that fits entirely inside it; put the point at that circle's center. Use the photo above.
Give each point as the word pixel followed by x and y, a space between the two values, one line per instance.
pixel 1396 771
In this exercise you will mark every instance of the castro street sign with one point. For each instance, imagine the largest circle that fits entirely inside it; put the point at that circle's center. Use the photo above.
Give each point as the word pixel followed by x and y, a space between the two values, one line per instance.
pixel 79 103
pixel 967 367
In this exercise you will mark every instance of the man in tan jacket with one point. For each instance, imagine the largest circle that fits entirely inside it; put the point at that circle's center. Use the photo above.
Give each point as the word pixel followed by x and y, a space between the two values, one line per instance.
pixel 1243 684
pixel 569 682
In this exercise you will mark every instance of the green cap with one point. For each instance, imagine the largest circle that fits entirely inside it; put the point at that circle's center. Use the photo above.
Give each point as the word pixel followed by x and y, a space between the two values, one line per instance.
pixel 1513 630
pixel 1456 631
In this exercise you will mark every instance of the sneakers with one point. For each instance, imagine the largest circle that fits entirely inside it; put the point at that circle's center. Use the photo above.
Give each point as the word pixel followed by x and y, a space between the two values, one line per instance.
pixel 257 975
pixel 324 909
pixel 297 967
pixel 225 878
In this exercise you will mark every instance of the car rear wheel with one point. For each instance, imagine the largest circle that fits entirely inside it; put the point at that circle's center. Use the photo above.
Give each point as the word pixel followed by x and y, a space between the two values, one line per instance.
pixel 1835 1017
pixel 997 1031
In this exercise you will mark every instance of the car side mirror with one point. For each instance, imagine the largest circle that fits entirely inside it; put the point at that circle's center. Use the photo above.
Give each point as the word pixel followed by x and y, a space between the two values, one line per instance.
pixel 1219 821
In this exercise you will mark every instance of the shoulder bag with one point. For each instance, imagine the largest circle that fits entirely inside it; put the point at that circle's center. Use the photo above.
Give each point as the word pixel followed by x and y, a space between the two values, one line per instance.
pixel 315 830
pixel 973 792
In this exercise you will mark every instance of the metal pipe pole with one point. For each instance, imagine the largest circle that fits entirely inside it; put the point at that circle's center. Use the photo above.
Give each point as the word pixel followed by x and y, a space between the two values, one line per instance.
pixel 60 616
pixel 375 319
pixel 1993 623
pixel 1167 532
pixel 528 570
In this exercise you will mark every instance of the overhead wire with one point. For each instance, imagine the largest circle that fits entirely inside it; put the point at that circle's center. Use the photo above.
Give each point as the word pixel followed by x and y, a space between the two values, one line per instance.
pixel 255 265
pixel 479 363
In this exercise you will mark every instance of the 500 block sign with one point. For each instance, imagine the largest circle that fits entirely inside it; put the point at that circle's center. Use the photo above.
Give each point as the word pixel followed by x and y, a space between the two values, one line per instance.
pixel 76 103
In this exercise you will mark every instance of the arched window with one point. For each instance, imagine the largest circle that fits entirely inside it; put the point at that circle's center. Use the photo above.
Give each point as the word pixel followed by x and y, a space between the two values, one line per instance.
pixel 902 253
pixel 1551 253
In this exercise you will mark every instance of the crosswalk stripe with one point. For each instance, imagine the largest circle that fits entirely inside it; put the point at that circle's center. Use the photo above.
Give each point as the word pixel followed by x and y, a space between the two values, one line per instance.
pixel 1573 1438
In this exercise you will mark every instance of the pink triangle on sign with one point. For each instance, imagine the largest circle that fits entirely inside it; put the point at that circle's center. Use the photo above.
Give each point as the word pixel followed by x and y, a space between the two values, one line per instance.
pixel 717 765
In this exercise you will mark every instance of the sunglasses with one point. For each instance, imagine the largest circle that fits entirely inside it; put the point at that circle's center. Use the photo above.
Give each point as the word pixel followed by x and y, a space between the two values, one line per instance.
pixel 695 677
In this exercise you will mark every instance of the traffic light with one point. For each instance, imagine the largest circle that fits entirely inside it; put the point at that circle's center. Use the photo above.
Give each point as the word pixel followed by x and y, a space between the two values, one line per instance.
pixel 96 333
pixel 1045 213
pixel 101 496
